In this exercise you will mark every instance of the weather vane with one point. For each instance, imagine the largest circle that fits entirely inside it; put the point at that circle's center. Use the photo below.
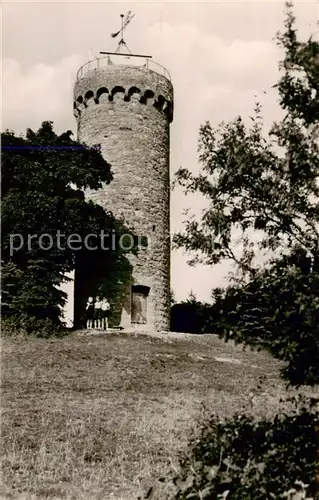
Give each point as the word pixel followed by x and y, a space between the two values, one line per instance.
pixel 125 21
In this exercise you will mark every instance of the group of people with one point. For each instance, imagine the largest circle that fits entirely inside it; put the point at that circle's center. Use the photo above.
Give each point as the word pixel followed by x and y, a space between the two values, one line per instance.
pixel 97 312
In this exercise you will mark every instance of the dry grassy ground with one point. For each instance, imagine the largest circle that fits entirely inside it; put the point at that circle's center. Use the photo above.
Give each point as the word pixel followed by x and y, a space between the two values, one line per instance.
pixel 101 416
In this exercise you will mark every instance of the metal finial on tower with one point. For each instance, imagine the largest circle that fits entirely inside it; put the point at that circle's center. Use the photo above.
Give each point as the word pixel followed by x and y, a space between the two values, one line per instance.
pixel 122 49
pixel 125 20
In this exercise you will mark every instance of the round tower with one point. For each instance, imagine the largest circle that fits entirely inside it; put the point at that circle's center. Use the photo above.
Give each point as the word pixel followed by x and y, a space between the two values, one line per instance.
pixel 127 110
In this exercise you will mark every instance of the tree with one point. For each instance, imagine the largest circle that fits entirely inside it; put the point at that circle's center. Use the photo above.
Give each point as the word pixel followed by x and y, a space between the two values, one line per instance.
pixel 268 186
pixel 43 180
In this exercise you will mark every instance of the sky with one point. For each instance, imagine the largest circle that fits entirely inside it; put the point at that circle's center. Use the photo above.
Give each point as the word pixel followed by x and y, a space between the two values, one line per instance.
pixel 221 55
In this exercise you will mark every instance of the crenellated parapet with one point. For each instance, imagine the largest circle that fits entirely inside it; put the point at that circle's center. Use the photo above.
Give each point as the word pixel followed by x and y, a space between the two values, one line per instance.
pixel 123 84
pixel 132 94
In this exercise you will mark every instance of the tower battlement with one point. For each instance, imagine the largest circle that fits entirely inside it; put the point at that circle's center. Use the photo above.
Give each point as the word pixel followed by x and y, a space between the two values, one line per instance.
pixel 115 83
pixel 133 94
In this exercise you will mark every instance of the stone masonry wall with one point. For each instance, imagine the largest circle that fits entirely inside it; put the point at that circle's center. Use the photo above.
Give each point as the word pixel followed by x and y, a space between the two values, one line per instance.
pixel 127 110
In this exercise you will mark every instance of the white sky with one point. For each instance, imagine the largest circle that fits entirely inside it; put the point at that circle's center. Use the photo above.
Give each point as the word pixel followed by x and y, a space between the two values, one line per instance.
pixel 221 56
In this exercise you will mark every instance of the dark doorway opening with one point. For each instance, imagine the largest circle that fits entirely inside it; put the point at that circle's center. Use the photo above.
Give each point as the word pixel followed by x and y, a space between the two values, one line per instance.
pixel 139 304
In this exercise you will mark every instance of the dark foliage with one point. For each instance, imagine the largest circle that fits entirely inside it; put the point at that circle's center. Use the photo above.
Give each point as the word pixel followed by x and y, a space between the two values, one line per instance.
pixel 191 316
pixel 246 459
pixel 43 180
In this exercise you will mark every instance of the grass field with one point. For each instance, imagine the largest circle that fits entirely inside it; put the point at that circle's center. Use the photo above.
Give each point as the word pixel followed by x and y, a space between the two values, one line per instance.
pixel 102 416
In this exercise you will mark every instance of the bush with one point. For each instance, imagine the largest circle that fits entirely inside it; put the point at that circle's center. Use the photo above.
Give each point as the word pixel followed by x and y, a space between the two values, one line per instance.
pixel 190 316
pixel 242 459
pixel 279 311
pixel 31 325
pixel 187 318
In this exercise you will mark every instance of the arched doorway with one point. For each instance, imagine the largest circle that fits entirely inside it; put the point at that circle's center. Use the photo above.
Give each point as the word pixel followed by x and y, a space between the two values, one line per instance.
pixel 139 304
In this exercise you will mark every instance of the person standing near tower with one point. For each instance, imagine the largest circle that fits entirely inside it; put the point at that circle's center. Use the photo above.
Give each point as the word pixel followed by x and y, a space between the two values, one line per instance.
pixel 98 313
pixel 105 312
pixel 90 313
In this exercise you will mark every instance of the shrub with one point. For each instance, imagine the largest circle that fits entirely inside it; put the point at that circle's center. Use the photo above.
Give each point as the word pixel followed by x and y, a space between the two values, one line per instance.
pixel 190 316
pixel 244 459
pixel 28 325
pixel 187 318
pixel 279 311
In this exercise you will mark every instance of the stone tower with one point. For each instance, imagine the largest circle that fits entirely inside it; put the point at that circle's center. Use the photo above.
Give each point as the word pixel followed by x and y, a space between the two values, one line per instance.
pixel 125 105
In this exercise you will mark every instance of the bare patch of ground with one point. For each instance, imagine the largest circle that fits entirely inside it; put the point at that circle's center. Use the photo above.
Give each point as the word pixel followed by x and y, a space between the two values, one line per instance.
pixel 101 416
